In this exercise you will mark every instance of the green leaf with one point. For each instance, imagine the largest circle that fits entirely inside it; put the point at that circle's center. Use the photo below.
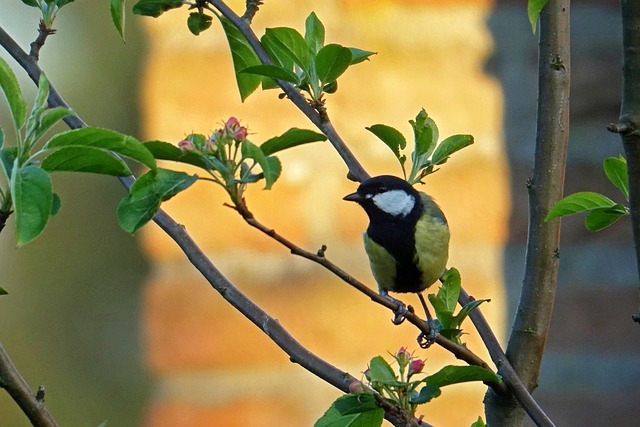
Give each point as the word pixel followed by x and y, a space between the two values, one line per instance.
pixel 468 308
pixel 146 195
pixel 155 8
pixel 314 33
pixel 381 371
pixel 331 61
pixel 1 137
pixel 85 159
pixel 600 218
pixel 425 132
pixel 243 57
pixel 616 170
pixel 32 202
pixel 47 119
pixel 3 292
pixel 450 289
pixel 273 71
pixel 11 89
pixel 534 7
pixel 352 411
pixel 452 375
pixel 449 146
pixel 359 55
pixel 479 423
pixel 7 159
pixel 288 46
pixel 32 3
pixel 61 3
pixel 291 138
pixel 55 205
pixel 390 136
pixel 165 151
pixel 459 374
pixel 116 8
pixel 270 168
pixel 579 202
pixel 104 139
pixel 198 22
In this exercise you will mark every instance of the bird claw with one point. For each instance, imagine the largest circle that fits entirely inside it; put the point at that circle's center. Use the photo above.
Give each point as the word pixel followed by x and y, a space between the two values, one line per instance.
pixel 426 340
pixel 400 314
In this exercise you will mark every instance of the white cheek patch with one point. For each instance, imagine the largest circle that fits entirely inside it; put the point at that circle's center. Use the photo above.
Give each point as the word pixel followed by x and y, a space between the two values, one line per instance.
pixel 395 202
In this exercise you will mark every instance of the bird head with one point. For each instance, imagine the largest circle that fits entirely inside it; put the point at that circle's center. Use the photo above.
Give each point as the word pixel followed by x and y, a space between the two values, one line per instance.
pixel 387 198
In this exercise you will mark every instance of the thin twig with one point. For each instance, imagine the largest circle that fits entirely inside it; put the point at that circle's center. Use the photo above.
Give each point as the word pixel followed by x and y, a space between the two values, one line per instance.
pixel 32 405
pixel 38 43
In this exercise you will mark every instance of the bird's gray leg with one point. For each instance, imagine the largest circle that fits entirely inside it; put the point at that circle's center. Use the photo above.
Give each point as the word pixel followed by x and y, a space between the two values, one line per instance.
pixel 400 312
pixel 425 340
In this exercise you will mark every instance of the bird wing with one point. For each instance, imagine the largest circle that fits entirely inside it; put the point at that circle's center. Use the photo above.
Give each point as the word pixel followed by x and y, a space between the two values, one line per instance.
pixel 383 265
pixel 432 242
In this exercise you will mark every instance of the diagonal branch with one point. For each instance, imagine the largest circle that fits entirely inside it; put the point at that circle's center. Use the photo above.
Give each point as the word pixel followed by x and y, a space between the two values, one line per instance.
pixel 32 405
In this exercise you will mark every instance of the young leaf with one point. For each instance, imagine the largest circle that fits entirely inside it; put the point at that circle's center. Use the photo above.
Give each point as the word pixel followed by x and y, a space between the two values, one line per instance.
pixel 55 205
pixel 146 195
pixel 314 33
pixel 359 55
pixel 352 411
pixel 46 121
pixel 579 202
pixel 331 61
pixel 390 136
pixel 11 89
pixel 425 132
pixel 243 57
pixel 116 8
pixel 7 159
pixel 165 151
pixel 61 3
pixel 452 375
pixel 198 22
pixel 271 169
pixel 449 146
pixel 534 7
pixel 468 308
pixel 3 292
pixel 32 202
pixel 479 423
pixel 288 45
pixel 381 371
pixel 85 159
pixel 616 170
pixel 32 3
pixel 450 289
pixel 104 139
pixel 600 218
pixel 155 8
pixel 291 138
pixel 273 71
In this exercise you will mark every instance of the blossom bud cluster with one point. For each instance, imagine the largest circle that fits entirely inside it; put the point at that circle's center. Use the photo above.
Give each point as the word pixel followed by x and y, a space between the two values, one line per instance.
pixel 231 132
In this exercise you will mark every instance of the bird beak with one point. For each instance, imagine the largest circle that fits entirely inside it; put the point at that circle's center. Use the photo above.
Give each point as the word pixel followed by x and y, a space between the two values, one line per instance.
pixel 353 197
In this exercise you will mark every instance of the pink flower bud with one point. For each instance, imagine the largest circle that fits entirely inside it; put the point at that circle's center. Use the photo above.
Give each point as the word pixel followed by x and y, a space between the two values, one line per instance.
pixel 186 145
pixel 233 129
pixel 403 357
pixel 415 367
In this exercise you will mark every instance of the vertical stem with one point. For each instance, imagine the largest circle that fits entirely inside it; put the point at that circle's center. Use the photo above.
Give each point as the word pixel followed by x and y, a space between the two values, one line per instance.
pixel 533 317
pixel 629 122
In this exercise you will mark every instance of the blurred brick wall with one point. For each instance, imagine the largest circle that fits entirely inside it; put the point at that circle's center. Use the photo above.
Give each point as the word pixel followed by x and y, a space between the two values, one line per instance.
pixel 212 366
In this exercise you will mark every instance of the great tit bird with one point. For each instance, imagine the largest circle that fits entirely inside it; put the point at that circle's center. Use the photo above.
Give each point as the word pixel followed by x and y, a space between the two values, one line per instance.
pixel 407 240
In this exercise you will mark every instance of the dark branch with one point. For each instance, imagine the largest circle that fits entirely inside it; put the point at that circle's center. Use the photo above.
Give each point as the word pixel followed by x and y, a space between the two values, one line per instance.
pixel 32 405
pixel 629 122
